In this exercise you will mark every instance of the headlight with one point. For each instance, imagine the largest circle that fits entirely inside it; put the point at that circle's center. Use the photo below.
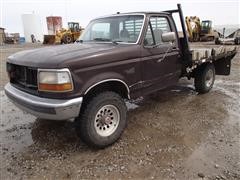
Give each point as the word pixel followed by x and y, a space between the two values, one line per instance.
pixel 54 80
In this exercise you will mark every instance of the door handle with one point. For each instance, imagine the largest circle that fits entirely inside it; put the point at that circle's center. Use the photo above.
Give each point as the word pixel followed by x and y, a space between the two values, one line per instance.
pixel 160 60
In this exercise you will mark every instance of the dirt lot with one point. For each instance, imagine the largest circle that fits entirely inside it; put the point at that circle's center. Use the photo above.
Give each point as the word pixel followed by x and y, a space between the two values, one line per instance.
pixel 174 134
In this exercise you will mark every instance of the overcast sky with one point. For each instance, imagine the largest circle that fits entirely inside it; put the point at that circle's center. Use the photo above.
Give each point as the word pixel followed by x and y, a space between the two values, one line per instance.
pixel 82 11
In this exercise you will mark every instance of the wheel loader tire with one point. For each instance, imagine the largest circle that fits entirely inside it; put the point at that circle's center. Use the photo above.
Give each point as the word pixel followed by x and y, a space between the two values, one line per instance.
pixel 67 39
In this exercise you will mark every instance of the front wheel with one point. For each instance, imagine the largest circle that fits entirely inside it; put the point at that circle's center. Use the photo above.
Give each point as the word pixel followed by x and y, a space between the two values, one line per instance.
pixel 204 78
pixel 67 39
pixel 103 120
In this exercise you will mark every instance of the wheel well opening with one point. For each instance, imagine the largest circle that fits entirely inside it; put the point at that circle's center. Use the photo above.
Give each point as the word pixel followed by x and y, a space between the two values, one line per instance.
pixel 114 86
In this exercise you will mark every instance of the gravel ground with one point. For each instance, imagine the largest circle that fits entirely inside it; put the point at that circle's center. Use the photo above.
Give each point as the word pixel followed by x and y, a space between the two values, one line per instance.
pixel 173 134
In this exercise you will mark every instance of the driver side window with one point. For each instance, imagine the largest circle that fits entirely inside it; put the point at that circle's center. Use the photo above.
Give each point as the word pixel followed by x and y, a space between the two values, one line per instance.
pixel 156 27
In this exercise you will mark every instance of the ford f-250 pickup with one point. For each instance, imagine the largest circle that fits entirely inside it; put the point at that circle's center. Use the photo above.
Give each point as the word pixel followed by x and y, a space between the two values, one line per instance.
pixel 118 57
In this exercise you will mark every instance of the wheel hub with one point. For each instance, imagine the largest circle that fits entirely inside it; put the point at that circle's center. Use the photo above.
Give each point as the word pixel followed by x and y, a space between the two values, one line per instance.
pixel 107 120
pixel 209 78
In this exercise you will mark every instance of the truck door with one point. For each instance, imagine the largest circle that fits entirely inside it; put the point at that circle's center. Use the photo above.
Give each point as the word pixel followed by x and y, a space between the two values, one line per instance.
pixel 160 60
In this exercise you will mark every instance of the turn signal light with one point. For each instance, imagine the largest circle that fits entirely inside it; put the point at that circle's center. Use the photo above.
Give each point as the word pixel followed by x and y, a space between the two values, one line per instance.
pixel 55 87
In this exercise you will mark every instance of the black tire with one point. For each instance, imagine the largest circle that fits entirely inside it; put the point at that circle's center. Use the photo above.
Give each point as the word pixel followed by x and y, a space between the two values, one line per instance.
pixel 204 78
pixel 86 124
pixel 237 41
pixel 67 39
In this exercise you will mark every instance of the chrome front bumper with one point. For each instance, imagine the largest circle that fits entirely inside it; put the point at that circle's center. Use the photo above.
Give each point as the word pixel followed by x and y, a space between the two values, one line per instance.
pixel 45 108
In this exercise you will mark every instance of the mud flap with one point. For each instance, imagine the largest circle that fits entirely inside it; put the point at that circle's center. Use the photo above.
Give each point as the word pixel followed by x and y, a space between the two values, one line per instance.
pixel 223 66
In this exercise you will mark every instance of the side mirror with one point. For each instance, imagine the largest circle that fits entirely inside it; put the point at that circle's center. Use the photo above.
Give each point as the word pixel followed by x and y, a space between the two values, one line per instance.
pixel 168 37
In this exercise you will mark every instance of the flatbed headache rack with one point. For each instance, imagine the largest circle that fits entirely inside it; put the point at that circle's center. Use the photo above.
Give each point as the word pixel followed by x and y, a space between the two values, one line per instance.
pixel 196 57
pixel 184 44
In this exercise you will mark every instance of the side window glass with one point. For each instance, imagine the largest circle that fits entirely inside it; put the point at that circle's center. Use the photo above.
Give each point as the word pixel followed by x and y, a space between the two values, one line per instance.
pixel 160 25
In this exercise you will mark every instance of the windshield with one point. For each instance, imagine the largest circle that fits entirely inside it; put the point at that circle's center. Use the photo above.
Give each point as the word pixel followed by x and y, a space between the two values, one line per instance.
pixel 124 28
pixel 206 24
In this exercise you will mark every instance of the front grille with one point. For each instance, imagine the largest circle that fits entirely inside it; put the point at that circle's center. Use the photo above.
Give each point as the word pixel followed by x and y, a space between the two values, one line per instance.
pixel 22 76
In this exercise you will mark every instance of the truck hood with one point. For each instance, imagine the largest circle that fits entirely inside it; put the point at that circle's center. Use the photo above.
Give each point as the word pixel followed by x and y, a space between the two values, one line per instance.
pixel 58 56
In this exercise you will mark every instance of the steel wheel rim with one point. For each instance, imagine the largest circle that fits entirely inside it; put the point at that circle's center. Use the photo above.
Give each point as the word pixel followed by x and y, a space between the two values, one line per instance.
pixel 69 39
pixel 107 120
pixel 209 78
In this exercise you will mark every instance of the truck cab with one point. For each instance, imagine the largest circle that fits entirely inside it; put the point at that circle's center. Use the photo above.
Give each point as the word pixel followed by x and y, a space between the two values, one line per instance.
pixel 206 26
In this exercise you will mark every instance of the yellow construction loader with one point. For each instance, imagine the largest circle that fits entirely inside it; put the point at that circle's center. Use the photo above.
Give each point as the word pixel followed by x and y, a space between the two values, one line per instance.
pixel 193 27
pixel 64 36
pixel 200 31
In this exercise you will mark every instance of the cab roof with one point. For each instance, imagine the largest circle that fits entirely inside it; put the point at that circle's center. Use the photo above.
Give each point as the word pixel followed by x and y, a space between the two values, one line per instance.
pixel 134 13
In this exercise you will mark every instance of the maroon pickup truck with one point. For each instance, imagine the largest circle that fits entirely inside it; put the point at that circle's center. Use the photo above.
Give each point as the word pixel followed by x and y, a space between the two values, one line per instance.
pixel 117 58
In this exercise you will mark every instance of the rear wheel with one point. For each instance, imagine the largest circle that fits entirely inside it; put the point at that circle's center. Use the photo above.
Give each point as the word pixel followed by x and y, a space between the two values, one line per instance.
pixel 103 120
pixel 204 78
